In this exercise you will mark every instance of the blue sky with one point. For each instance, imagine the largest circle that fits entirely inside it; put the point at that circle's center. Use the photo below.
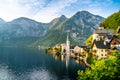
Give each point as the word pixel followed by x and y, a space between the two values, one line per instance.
pixel 46 10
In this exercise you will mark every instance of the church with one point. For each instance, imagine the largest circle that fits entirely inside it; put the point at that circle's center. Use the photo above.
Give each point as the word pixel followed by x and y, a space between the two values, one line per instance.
pixel 65 48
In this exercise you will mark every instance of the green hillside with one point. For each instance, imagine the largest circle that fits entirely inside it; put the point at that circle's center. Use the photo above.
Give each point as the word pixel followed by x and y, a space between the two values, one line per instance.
pixel 112 21
pixel 53 38
pixel 79 27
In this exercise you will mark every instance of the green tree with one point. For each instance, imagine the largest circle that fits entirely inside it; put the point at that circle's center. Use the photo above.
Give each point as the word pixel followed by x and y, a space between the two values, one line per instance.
pixel 104 69
pixel 89 41
pixel 112 21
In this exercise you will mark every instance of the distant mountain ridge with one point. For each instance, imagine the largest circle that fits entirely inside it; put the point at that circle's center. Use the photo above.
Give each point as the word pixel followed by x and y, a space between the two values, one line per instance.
pixel 57 21
pixel 23 27
pixel 23 30
pixel 79 27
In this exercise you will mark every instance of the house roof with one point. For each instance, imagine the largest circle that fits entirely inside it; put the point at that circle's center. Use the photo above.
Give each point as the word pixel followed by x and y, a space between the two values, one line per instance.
pixel 72 47
pixel 102 44
pixel 115 39
pixel 85 47
pixel 109 36
pixel 102 34
pixel 104 31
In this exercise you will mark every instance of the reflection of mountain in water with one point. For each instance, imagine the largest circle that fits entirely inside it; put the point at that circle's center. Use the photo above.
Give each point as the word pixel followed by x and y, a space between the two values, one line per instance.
pixel 29 64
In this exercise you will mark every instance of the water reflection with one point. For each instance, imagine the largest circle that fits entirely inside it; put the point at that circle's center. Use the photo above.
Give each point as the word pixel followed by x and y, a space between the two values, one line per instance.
pixel 26 64
pixel 5 73
pixel 67 61
pixel 35 74
pixel 63 57
pixel 39 74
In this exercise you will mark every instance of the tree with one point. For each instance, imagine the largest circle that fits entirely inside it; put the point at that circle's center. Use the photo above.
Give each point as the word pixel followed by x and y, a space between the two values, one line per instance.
pixel 112 21
pixel 104 69
pixel 89 41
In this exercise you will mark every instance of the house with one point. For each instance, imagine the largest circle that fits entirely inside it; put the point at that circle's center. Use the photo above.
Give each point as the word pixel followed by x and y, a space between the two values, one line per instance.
pixel 77 49
pixel 100 33
pixel 100 48
pixel 63 47
pixel 115 43
pixel 66 47
pixel 108 37
pixel 80 49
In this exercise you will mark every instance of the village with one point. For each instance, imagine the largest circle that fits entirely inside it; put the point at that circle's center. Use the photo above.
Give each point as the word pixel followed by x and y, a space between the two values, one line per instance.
pixel 101 44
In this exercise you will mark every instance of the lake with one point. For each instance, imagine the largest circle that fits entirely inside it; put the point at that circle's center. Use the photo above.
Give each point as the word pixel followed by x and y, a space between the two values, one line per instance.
pixel 33 64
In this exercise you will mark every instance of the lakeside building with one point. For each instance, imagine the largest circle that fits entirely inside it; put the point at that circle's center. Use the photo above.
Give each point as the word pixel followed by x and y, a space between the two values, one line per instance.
pixel 80 49
pixel 65 48
pixel 104 40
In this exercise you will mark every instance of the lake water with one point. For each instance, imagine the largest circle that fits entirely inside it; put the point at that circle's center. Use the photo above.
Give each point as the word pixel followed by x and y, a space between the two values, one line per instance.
pixel 29 64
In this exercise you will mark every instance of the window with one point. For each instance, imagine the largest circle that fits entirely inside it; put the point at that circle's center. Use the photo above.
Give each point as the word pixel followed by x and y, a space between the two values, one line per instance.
pixel 102 50
pixel 101 54
pixel 106 50
pixel 105 54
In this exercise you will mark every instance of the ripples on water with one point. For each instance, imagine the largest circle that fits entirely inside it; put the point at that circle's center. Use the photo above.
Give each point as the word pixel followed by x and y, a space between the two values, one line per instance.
pixel 35 74
pixel 5 73
pixel 25 64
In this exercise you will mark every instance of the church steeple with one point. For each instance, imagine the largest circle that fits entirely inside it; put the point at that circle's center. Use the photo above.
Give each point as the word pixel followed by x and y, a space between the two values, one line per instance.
pixel 67 39
pixel 67 45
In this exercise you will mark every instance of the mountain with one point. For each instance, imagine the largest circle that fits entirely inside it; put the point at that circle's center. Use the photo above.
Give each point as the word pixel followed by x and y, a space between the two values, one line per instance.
pixel 26 32
pixel 21 31
pixel 51 33
pixel 23 27
pixel 57 21
pixel 78 27
pixel 112 21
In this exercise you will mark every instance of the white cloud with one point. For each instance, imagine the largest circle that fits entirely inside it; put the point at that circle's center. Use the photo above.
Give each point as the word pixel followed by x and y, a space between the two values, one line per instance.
pixel 10 9
pixel 53 10
pixel 39 10
pixel 46 10
pixel 97 7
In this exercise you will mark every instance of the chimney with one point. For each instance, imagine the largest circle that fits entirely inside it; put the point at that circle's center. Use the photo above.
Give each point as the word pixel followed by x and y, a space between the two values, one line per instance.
pixel 104 42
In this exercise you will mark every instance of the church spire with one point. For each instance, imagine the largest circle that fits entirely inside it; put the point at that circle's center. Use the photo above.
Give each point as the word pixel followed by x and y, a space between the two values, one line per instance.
pixel 67 38
pixel 67 45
